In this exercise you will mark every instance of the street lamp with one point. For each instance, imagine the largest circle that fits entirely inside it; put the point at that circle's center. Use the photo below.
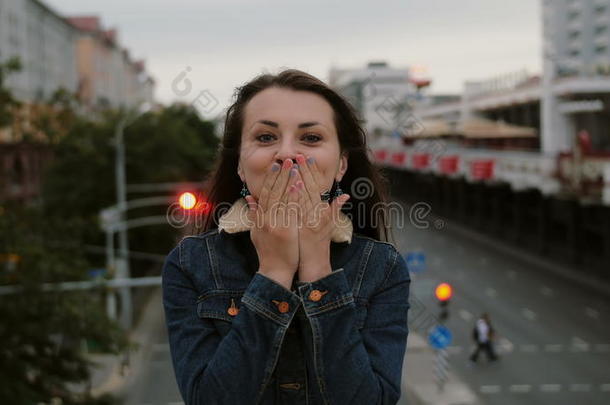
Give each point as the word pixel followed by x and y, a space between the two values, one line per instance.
pixel 122 262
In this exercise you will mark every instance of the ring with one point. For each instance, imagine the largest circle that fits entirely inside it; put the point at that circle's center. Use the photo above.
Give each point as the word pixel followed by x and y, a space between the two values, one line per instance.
pixel 325 196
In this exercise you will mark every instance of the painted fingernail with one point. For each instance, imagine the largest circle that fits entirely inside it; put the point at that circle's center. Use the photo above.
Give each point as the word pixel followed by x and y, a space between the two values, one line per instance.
pixel 286 164
pixel 296 166
pixel 310 160
pixel 292 172
pixel 275 167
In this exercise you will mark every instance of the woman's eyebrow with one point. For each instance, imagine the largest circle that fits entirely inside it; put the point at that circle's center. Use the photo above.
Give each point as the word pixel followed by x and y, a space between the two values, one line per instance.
pixel 276 125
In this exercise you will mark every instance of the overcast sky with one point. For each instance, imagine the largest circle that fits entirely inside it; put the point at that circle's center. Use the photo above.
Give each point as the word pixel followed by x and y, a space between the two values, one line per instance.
pixel 227 42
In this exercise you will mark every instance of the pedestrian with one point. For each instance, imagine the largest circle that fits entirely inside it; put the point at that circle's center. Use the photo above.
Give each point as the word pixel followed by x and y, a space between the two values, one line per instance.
pixel 483 335
pixel 292 295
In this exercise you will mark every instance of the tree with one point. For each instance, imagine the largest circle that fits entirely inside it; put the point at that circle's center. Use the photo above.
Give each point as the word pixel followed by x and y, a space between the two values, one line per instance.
pixel 41 331
pixel 169 145
pixel 8 103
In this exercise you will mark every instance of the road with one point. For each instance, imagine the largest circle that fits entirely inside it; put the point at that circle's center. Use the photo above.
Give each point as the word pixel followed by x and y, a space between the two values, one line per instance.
pixel 554 335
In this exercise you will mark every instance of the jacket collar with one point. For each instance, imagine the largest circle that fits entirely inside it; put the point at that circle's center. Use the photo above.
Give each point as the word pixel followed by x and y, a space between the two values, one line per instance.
pixel 234 220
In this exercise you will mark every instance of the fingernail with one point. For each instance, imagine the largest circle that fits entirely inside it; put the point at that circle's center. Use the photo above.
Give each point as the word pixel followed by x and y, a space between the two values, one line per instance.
pixel 275 167
pixel 292 172
pixel 310 160
pixel 296 166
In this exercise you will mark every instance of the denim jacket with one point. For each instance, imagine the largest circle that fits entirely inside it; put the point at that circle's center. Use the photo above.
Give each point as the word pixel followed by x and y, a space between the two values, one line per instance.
pixel 238 337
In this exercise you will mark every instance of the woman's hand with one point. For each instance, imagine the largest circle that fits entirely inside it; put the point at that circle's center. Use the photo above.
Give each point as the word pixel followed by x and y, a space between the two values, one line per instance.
pixel 275 233
pixel 317 222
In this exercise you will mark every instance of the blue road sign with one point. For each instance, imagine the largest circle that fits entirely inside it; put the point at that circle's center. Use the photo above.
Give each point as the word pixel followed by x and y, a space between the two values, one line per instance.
pixel 439 337
pixel 416 261
pixel 97 273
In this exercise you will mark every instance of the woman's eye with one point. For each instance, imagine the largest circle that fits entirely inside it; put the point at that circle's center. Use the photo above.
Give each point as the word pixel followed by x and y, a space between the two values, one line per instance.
pixel 265 136
pixel 313 137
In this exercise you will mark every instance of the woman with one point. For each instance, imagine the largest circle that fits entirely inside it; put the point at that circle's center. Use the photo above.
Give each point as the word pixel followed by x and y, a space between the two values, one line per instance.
pixel 285 298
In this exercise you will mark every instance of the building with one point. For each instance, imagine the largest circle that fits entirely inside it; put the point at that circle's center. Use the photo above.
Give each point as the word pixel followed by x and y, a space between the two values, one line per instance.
pixel 382 95
pixel 74 53
pixel 576 77
pixel 549 132
pixel 108 76
pixel 44 43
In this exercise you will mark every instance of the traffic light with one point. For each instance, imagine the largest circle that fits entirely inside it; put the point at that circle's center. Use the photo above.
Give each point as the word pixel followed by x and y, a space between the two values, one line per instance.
pixel 187 200
pixel 443 293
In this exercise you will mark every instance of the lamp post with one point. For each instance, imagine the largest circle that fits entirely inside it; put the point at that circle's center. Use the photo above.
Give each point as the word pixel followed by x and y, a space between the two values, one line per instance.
pixel 122 261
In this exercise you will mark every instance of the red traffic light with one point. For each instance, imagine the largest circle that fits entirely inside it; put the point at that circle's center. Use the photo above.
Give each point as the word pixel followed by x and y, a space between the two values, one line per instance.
pixel 443 292
pixel 187 200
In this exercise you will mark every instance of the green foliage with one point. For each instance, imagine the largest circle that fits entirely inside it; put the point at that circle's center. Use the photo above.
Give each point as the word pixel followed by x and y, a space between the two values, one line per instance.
pixel 42 331
pixel 170 145
pixel 7 101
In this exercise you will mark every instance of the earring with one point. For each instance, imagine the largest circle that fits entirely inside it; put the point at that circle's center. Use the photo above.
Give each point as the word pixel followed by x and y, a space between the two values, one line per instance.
pixel 244 190
pixel 325 196
pixel 338 191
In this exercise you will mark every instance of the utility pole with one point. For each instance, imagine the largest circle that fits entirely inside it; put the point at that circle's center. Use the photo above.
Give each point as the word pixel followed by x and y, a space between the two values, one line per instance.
pixel 122 261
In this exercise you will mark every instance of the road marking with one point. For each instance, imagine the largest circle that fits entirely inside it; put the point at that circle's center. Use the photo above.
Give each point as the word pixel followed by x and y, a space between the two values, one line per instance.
pixel 555 348
pixel 579 345
pixel 528 314
pixel 546 291
pixel 580 387
pixel 550 387
pixel 490 389
pixel 491 292
pixel 528 348
pixel 455 349
pixel 592 313
pixel 505 345
pixel 465 315
pixel 520 388
pixel 602 347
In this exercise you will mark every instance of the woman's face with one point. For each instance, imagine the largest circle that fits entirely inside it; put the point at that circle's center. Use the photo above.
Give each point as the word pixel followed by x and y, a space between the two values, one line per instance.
pixel 280 123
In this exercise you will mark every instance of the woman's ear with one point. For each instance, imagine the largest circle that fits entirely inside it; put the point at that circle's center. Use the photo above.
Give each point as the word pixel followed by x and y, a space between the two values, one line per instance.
pixel 343 164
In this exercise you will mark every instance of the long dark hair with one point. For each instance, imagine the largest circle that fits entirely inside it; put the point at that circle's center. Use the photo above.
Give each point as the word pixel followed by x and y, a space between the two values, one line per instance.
pixel 364 182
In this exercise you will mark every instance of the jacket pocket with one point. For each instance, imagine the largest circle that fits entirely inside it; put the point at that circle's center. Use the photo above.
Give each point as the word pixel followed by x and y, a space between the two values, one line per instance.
pixel 220 309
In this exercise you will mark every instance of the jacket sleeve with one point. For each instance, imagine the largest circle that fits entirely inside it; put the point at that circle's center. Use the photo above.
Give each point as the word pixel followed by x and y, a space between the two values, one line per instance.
pixel 234 369
pixel 360 366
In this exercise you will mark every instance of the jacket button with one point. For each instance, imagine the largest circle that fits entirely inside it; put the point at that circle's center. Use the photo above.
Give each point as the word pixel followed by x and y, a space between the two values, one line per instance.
pixel 233 310
pixel 316 295
pixel 283 306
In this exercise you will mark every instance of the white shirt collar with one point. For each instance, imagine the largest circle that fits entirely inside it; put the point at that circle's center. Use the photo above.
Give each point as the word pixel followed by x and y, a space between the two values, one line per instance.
pixel 235 220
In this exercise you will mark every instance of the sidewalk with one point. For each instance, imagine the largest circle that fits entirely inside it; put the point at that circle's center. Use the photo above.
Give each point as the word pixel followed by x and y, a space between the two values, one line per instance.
pixel 420 387
pixel 111 377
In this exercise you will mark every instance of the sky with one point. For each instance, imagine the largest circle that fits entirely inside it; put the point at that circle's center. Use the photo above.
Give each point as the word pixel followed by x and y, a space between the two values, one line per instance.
pixel 221 44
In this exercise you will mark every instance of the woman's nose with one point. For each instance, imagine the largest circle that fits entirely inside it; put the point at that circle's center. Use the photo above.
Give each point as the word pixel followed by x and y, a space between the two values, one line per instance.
pixel 281 160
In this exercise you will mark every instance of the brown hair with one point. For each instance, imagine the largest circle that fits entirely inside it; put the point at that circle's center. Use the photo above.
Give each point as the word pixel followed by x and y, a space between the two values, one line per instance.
pixel 367 212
